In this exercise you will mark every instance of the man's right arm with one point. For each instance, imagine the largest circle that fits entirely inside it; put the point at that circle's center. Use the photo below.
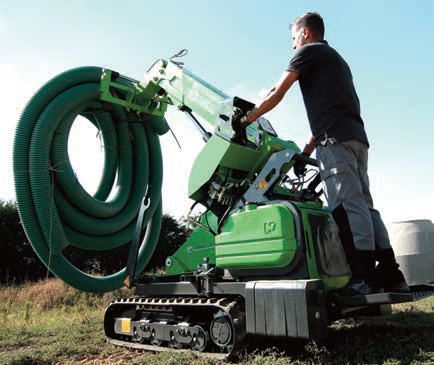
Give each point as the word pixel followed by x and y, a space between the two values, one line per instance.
pixel 310 146
pixel 274 96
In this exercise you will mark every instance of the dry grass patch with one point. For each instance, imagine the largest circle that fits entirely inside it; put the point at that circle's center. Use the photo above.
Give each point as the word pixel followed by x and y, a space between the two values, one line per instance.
pixel 51 323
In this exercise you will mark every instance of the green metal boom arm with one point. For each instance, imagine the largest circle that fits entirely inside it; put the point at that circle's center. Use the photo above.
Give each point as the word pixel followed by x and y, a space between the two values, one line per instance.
pixel 165 83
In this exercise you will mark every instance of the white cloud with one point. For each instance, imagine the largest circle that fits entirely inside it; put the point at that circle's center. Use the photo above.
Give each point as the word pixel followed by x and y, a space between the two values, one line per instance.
pixel 398 196
pixel 3 25
pixel 289 120
pixel 177 163
pixel 86 153
pixel 87 159
pixel 13 95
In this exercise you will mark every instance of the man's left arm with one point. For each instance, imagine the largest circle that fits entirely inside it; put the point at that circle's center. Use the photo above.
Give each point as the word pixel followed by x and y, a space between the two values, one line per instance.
pixel 274 96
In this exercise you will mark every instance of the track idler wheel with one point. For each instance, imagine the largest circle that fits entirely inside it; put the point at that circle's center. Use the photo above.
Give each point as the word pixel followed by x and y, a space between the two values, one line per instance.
pixel 221 331
pixel 200 339
pixel 154 340
pixel 173 343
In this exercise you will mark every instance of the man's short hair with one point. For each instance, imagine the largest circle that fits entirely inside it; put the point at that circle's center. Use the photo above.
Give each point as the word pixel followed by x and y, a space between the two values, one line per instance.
pixel 313 21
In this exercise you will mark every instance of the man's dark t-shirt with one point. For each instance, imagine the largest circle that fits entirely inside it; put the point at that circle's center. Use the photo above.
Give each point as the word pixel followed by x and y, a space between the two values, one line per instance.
pixel 331 101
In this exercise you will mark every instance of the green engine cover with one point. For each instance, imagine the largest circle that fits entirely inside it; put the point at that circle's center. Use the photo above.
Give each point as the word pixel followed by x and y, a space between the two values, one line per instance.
pixel 257 237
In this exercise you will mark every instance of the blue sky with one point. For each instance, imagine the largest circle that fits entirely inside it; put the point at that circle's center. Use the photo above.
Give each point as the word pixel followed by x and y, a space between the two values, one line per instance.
pixel 241 47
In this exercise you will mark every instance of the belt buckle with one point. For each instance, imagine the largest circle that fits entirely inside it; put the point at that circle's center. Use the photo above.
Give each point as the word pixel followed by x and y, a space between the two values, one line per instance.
pixel 331 140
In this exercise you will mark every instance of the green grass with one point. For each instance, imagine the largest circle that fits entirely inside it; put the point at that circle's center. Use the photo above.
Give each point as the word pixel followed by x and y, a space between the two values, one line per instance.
pixel 50 323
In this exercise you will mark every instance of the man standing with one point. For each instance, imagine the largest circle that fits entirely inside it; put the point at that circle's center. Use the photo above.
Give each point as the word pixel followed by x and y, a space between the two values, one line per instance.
pixel 341 144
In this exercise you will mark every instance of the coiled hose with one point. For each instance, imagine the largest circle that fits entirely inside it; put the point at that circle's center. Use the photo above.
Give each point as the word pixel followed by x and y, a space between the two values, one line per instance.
pixel 55 210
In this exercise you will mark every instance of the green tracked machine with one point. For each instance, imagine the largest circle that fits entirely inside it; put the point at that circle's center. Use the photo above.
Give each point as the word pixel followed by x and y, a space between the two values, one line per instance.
pixel 265 257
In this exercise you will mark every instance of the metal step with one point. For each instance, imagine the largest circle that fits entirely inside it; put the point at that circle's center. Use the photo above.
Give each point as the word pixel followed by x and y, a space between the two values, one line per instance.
pixel 417 293
pixel 371 299
pixel 422 291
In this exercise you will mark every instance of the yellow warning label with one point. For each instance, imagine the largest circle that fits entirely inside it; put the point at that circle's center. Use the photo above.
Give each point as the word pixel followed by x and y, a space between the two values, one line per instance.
pixel 127 281
pixel 262 184
pixel 125 325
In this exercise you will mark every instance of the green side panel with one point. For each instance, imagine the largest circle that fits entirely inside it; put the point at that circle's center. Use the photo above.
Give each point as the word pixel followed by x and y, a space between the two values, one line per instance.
pixel 199 245
pixel 257 237
pixel 220 153
pixel 280 144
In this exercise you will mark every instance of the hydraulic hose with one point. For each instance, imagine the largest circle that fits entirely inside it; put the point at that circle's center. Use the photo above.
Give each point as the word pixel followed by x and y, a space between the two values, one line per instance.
pixel 55 210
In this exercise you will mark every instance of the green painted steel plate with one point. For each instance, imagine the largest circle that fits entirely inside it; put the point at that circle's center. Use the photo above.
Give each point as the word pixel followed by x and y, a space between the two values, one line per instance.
pixel 257 237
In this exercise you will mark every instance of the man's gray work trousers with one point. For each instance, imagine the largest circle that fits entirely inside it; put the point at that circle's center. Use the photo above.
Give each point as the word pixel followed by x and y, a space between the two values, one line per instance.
pixel 344 172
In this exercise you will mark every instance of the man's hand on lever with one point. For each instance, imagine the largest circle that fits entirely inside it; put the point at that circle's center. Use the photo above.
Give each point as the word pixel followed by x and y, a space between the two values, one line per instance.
pixel 300 167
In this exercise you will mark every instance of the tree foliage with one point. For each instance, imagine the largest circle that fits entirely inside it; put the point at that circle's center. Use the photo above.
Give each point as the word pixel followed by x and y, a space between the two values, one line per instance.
pixel 18 261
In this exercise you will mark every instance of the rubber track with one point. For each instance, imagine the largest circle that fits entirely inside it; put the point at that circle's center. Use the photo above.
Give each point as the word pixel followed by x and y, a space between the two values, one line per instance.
pixel 227 304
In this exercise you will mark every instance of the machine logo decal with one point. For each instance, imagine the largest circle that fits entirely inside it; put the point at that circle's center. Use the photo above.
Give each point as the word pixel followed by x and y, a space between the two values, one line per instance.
pixel 269 227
